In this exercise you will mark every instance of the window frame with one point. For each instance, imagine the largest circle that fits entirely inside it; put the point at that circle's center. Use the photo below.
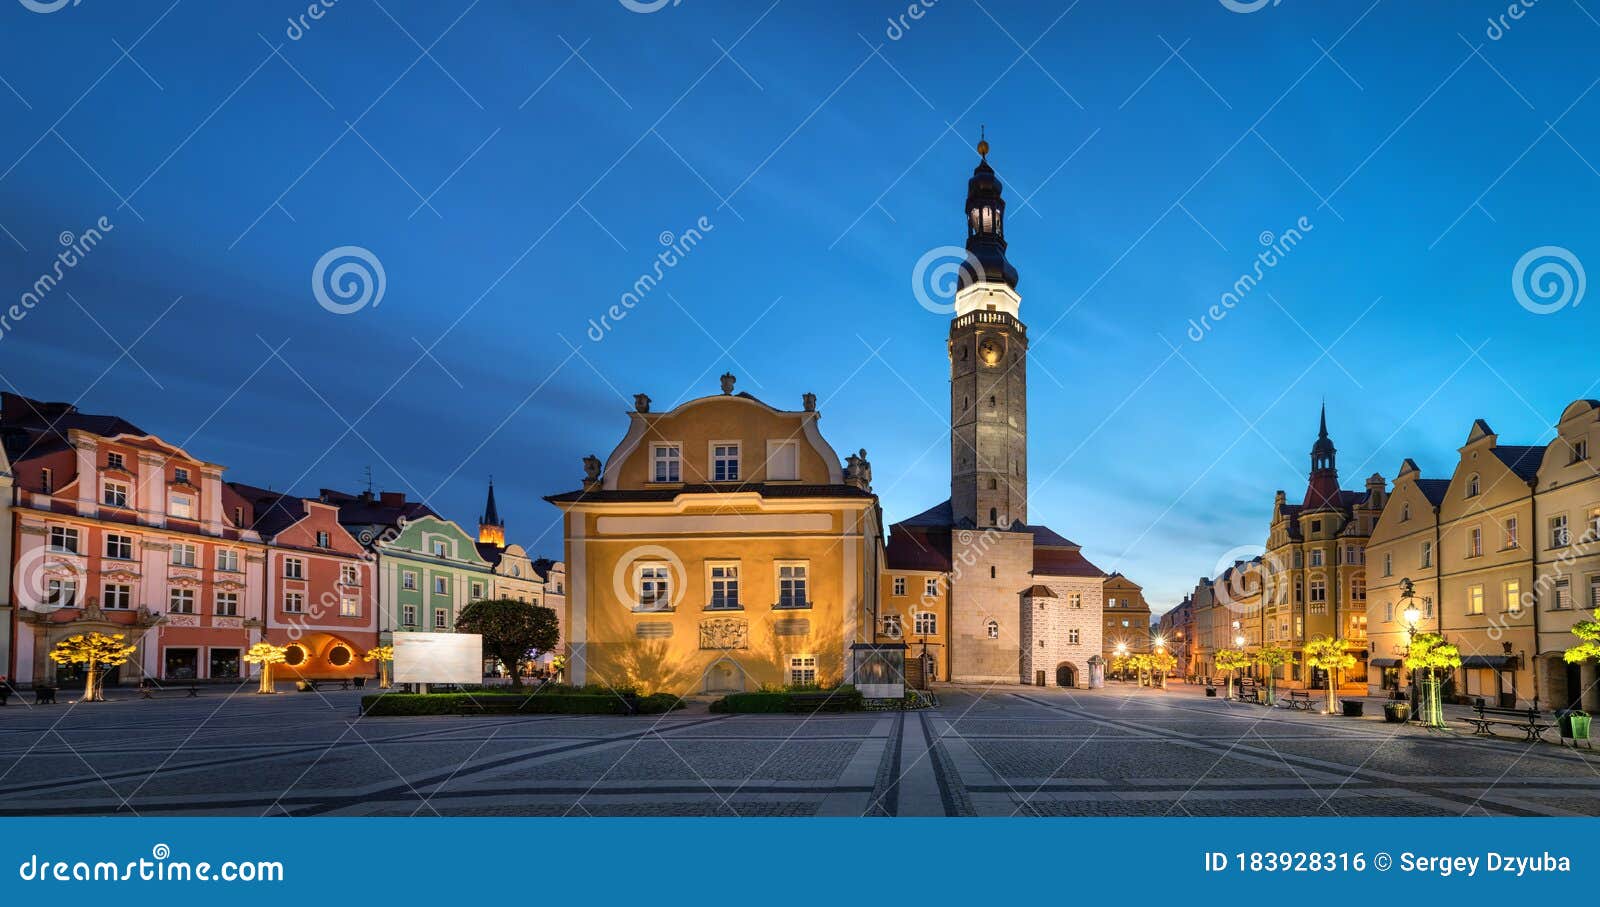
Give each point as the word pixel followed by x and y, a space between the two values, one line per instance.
pixel 718 461
pixel 773 449
pixel 802 670
pixel 658 574
pixel 800 582
pixel 118 547
pixel 723 602
pixel 64 533
pixel 666 470
pixel 184 596
pixel 120 498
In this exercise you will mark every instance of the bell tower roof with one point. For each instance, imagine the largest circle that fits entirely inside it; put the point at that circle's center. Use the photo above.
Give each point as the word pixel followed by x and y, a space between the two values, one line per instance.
pixel 491 528
pixel 986 231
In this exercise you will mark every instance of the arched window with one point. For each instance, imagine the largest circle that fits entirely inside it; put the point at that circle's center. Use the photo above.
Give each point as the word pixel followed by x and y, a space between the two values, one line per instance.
pixel 992 628
pixel 993 484
pixel 1405 512
pixel 994 517
pixel 1472 485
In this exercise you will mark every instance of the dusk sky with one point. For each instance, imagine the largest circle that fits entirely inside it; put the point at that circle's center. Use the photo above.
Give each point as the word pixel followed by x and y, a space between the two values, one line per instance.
pixel 515 166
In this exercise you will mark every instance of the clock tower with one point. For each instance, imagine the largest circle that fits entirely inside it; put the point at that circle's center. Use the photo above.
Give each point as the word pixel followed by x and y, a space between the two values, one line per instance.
pixel 988 349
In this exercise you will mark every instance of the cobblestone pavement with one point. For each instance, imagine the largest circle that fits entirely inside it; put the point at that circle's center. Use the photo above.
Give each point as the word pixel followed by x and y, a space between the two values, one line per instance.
pixel 993 751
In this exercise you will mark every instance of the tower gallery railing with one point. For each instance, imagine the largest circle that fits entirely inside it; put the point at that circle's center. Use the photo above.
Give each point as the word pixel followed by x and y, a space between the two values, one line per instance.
pixel 984 316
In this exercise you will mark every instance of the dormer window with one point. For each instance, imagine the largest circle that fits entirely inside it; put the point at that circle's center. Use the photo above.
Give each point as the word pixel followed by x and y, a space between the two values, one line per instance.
pixel 1405 512
pixel 47 481
pixel 180 476
pixel 666 463
pixel 1580 450
pixel 725 462
pixel 114 461
pixel 1472 485
pixel 181 506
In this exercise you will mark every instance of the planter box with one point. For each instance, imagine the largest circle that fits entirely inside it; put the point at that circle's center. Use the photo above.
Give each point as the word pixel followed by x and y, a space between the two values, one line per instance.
pixel 1211 691
pixel 1396 712
pixel 1352 707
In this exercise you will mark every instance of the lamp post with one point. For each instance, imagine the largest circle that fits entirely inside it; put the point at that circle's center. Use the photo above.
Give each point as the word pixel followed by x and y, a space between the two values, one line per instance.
pixel 1412 615
pixel 1161 649
pixel 1122 666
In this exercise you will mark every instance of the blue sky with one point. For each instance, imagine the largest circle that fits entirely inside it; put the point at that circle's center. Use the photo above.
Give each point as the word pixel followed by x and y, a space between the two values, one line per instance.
pixel 516 180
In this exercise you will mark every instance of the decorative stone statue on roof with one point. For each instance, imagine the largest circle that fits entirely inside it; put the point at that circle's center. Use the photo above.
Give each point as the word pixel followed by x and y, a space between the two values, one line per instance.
pixel 727 382
pixel 857 471
pixel 591 471
pixel 641 403
pixel 809 401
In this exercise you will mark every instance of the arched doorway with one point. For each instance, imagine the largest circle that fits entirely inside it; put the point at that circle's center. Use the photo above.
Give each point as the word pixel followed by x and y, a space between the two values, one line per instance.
pixel 724 677
pixel 1066 675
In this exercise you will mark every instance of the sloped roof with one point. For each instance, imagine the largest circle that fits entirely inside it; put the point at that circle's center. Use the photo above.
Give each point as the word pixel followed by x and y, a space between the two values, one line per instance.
pixel 1523 460
pixel 368 510
pixel 273 511
pixel 1433 489
pixel 34 427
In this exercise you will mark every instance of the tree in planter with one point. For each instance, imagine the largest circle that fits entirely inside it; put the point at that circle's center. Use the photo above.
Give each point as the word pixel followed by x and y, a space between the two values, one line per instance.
pixel 383 655
pixel 98 653
pixel 1428 653
pixel 1163 663
pixel 1271 658
pixel 511 630
pixel 1140 662
pixel 1331 655
pixel 266 655
pixel 1229 661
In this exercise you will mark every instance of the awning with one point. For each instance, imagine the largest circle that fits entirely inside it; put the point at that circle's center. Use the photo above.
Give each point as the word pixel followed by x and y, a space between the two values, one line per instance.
pixel 1485 661
pixel 1384 662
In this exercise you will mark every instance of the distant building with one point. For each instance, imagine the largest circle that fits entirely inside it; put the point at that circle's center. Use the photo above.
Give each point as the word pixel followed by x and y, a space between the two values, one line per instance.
pixel 1127 618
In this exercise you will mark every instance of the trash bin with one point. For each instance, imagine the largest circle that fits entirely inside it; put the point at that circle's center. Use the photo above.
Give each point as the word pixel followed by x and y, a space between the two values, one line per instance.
pixel 1352 707
pixel 1211 691
pixel 1573 724
pixel 1397 712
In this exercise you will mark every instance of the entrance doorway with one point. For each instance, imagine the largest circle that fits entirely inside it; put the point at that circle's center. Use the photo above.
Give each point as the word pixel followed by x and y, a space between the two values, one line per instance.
pixel 1574 691
pixel 1066 675
pixel 724 677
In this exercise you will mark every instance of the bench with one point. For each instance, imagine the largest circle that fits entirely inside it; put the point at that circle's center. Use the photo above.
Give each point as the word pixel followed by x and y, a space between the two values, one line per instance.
pixel 1248 691
pixel 311 686
pixel 1300 700
pixel 1530 721
pixel 148 690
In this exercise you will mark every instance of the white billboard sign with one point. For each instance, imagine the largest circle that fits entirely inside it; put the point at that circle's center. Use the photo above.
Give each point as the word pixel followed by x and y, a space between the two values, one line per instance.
pixel 438 658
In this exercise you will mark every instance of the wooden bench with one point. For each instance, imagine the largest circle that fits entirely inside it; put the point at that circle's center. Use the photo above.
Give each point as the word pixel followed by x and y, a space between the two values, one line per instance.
pixel 1248 691
pixel 1299 700
pixel 311 686
pixel 1530 721
pixel 149 689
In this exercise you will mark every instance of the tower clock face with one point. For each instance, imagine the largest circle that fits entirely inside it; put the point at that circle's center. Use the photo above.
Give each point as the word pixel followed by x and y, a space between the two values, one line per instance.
pixel 989 350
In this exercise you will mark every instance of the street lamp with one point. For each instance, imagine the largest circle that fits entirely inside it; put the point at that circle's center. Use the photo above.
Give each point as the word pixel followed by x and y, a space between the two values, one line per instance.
pixel 1122 669
pixel 1412 615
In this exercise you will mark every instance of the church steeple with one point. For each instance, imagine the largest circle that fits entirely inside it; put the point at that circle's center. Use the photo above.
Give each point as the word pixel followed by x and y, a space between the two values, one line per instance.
pixel 1322 486
pixel 986 226
pixel 491 529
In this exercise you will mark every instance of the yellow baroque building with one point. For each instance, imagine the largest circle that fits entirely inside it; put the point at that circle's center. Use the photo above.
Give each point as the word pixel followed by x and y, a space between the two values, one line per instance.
pixel 721 547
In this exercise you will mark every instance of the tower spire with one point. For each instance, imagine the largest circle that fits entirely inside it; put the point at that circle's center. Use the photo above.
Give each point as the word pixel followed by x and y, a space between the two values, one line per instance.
pixel 986 229
pixel 491 529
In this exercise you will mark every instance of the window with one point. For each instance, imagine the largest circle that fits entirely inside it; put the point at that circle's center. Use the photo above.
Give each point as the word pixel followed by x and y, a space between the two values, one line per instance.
pixel 1073 636
pixel 991 571
pixel 1559 537
pixel 294 602
pixel 408 580
pixel 1580 450
pixel 1594 523
pixel 1316 558
pixel 1075 600
pixel 227 560
pixel 441 619
pixel 1427 554
pixel 783 461
pixel 63 538
pixel 440 548
pixel 792 592
pixel 1319 596
pixel 1388 564
pixel 1353 556
pixel 61 593
pixel 1316 525
pixel 181 601
pixel 183 554
pixel 1405 512
pixel 654 586
pixel 118 597
pixel 441 585
pixel 925 623
pixel 1563 597
pixel 408 615
pixel 349 575
pixel 119 547
pixel 1511 539
pixel 47 481
pixel 802 670
pixel 1358 588
pixel 1299 559
pixel 930 587
pixel 1475 599
pixel 226 604
pixel 294 568
pixel 1472 485
pixel 114 461
pixel 1594 592
pixel 323 539
pixel 181 506
pixel 891 626
pixel 1474 542
pixel 992 629
pixel 1388 612
pixel 477 590
pixel 225 663
pixel 180 475
pixel 725 586
pixel 349 606
pixel 1513 596
pixel 114 494
pixel 724 462
pixel 899 585
pixel 666 463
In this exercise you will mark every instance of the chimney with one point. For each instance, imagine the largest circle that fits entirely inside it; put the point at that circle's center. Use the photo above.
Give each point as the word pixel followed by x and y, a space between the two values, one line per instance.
pixel 393 498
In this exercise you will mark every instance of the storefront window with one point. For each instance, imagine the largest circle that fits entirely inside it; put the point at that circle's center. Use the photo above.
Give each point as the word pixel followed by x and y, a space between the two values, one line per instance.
pixel 182 664
pixel 224 663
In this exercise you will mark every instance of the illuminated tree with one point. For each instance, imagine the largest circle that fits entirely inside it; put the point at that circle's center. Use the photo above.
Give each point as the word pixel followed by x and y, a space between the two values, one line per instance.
pixel 98 653
pixel 1271 658
pixel 383 655
pixel 1429 653
pixel 266 655
pixel 512 631
pixel 1331 655
pixel 1229 661
pixel 1163 663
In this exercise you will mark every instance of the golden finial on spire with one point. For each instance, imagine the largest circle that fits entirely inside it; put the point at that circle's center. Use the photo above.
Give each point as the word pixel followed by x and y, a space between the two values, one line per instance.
pixel 983 141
